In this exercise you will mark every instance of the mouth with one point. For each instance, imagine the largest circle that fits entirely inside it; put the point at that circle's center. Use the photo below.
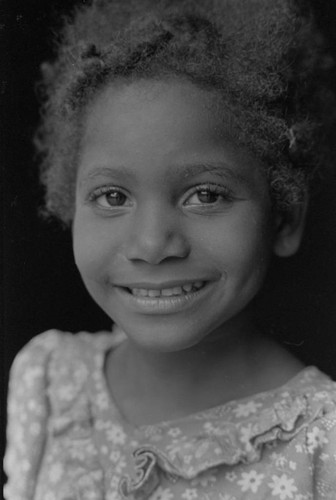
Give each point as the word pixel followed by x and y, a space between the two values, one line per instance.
pixel 174 291
pixel 162 299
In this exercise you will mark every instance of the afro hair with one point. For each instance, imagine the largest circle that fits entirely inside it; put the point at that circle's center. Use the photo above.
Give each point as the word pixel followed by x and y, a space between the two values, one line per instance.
pixel 266 61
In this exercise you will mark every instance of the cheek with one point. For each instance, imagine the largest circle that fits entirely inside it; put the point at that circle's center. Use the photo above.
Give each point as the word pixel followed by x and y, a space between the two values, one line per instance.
pixel 92 246
pixel 252 252
pixel 241 245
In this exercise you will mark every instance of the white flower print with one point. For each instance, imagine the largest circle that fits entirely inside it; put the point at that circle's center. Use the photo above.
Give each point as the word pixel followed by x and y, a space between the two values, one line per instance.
pixel 250 481
pixel 245 409
pixel 282 487
pixel 231 476
pixel 153 432
pixel 34 407
pixel 316 438
pixel 101 425
pixel 209 427
pixel 320 395
pixel 174 432
pixel 116 434
pixel 190 494
pixel 245 436
pixel 32 374
pixel 324 457
pixel 162 494
pixel 175 446
pixel 114 482
pixel 120 465
pixel 279 459
pixel 285 470
pixel 114 456
pixel 56 471
pixel 102 401
pixel 86 485
pixel 97 475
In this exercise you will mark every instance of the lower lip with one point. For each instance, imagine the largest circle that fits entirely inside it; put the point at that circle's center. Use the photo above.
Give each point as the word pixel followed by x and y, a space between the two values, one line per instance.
pixel 163 305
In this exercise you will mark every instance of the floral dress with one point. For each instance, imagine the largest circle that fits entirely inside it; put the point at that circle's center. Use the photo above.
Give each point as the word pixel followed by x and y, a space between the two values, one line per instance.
pixel 68 441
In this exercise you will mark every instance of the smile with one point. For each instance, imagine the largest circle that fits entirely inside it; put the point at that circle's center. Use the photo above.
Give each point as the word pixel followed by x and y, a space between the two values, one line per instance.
pixel 162 299
pixel 167 292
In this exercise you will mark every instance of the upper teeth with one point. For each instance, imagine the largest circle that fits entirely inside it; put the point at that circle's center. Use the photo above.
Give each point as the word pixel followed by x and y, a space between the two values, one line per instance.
pixel 167 292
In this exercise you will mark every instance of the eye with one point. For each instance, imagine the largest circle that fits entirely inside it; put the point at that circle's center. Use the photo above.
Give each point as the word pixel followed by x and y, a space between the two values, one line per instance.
pixel 109 197
pixel 211 194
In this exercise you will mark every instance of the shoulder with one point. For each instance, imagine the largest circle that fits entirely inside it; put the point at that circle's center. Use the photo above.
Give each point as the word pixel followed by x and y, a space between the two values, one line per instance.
pixel 320 435
pixel 318 388
pixel 48 362
pixel 312 394
pixel 52 360
pixel 53 345
pixel 319 427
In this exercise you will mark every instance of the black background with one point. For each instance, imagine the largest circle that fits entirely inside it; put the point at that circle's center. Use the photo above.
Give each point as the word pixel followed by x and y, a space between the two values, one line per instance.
pixel 41 288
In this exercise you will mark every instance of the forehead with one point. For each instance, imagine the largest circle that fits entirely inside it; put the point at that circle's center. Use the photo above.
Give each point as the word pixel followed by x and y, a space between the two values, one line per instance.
pixel 156 104
pixel 151 124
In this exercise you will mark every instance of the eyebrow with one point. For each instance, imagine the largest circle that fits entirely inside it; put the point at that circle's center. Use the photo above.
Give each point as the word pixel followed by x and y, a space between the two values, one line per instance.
pixel 106 171
pixel 184 171
pixel 220 169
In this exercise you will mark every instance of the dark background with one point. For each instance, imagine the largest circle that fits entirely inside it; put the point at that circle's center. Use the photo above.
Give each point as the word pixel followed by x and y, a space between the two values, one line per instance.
pixel 41 288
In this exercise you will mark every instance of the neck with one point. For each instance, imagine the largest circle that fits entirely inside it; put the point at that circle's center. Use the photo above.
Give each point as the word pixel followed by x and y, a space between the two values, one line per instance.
pixel 229 350
pixel 153 386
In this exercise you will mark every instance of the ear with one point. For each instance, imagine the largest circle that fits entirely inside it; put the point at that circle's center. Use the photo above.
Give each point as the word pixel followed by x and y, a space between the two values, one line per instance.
pixel 289 229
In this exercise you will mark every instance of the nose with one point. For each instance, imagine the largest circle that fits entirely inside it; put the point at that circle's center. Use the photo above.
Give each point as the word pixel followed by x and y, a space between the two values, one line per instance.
pixel 155 235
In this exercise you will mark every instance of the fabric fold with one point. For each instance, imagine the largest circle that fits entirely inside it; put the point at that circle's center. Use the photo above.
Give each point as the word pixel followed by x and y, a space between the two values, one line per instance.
pixel 216 442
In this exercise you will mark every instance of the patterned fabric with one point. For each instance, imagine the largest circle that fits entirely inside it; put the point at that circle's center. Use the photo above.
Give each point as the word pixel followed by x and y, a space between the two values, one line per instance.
pixel 67 440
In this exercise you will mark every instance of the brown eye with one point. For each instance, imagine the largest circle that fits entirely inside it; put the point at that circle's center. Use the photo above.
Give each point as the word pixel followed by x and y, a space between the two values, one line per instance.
pixel 115 198
pixel 211 196
pixel 108 197
pixel 207 196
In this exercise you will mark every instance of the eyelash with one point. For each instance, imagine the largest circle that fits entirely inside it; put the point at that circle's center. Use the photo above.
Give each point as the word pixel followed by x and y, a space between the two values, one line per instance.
pixel 211 188
pixel 215 189
pixel 105 190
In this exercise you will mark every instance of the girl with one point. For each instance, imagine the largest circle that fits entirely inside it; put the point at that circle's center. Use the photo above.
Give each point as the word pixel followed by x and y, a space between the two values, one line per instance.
pixel 178 140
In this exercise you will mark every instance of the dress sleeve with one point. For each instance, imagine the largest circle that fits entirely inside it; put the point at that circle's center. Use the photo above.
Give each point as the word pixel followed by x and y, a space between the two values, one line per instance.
pixel 322 443
pixel 27 416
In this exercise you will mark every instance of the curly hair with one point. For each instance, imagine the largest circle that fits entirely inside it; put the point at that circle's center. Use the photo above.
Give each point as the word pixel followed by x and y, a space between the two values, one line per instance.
pixel 265 59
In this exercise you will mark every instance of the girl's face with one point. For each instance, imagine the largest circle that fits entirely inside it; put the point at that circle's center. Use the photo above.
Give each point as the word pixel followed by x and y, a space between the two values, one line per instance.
pixel 172 230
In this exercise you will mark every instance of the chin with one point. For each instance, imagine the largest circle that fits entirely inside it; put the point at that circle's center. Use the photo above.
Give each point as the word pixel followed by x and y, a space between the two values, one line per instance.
pixel 161 337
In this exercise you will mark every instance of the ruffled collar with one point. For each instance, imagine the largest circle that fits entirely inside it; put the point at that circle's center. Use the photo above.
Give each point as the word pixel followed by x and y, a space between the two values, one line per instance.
pixel 229 434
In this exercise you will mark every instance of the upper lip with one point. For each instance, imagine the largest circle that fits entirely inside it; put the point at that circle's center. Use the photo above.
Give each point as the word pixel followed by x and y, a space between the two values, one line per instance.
pixel 161 285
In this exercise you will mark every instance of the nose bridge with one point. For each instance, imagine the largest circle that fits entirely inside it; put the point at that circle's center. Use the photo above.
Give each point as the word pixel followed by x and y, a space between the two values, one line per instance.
pixel 156 233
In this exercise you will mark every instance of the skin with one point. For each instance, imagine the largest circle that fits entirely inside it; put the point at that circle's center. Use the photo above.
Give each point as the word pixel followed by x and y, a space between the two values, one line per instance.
pixel 147 212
